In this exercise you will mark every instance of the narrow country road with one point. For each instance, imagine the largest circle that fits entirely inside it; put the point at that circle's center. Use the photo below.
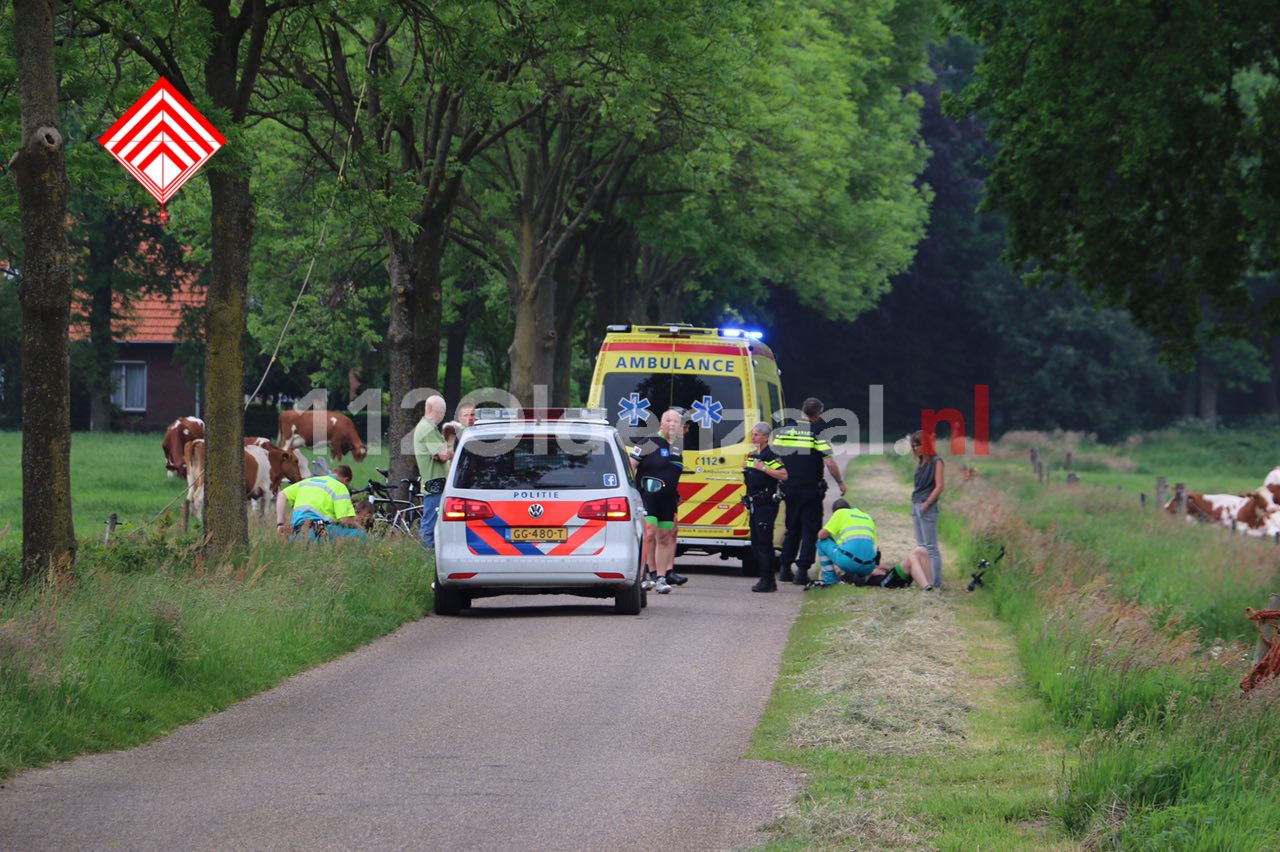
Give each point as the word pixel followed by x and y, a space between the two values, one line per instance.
pixel 530 723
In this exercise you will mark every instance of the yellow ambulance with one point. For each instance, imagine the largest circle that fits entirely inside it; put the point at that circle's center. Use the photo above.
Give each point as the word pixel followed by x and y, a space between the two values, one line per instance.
pixel 726 380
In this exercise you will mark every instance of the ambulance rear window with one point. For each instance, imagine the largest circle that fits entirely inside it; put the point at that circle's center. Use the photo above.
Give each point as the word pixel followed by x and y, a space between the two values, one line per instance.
pixel 503 462
pixel 635 402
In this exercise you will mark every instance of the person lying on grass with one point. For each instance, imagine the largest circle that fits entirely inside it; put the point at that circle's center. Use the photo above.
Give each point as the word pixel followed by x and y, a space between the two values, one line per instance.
pixel 916 567
pixel 900 575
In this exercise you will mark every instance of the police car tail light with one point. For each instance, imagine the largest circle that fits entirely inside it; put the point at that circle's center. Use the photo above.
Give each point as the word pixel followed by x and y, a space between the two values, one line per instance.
pixel 609 509
pixel 459 509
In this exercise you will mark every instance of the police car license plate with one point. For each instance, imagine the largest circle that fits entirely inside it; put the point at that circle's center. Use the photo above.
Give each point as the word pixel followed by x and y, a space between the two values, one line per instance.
pixel 539 534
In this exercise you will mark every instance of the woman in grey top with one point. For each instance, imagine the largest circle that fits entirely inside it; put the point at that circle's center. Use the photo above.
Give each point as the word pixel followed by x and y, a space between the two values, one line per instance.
pixel 924 503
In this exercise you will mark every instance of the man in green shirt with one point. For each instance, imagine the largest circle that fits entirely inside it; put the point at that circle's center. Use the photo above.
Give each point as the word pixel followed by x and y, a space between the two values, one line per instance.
pixel 433 457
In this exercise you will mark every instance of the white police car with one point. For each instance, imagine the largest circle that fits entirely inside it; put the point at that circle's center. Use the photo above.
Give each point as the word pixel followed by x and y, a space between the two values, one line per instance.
pixel 541 504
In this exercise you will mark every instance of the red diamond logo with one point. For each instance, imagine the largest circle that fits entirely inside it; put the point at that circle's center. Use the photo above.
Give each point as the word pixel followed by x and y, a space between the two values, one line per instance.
pixel 162 140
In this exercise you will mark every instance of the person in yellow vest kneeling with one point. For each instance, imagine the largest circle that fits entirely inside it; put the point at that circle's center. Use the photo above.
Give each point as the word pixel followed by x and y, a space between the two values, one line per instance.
pixel 321 501
pixel 847 545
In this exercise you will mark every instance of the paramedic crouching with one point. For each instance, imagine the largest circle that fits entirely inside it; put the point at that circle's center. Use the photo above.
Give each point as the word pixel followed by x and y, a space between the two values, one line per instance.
pixel 320 500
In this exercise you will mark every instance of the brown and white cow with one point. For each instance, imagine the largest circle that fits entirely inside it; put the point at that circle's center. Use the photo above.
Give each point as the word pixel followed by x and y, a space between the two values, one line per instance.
pixel 1211 508
pixel 296 430
pixel 181 432
pixel 193 463
pixel 285 465
pixel 264 470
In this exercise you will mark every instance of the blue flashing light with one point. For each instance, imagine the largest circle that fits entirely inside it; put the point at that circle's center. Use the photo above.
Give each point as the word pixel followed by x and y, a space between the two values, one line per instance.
pixel 754 335
pixel 731 332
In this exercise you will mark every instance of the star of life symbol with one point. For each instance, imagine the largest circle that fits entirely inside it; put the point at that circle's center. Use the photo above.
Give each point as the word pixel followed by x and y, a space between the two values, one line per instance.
pixel 633 409
pixel 706 411
pixel 162 140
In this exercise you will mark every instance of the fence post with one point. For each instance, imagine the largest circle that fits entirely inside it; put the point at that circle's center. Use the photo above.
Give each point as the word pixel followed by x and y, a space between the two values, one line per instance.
pixel 1035 458
pixel 1067 464
pixel 1142 498
pixel 1261 648
pixel 1162 491
pixel 111 528
pixel 186 514
pixel 1180 495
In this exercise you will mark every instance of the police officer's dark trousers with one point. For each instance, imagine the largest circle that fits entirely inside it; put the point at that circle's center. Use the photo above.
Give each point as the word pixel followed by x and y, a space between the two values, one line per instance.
pixel 764 512
pixel 804 519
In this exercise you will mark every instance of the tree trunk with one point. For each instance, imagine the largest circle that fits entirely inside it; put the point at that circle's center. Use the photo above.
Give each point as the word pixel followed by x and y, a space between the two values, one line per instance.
pixel 533 343
pixel 572 273
pixel 233 224
pixel 48 536
pixel 613 281
pixel 455 348
pixel 400 361
pixel 427 292
pixel 533 346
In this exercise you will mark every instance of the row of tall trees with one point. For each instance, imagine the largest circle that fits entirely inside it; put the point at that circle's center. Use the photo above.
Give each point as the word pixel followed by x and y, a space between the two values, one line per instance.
pixel 571 159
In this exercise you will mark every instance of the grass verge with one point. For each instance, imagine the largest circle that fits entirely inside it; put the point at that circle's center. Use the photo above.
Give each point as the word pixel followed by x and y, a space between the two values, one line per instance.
pixel 1130 628
pixel 907 712
pixel 130 649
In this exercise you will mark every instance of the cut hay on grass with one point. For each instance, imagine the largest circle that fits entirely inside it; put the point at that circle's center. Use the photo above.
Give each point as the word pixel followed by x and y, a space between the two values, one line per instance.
pixel 888 678
pixel 859 825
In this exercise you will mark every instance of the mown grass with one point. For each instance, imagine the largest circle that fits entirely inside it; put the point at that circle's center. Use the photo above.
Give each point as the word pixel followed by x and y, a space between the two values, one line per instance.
pixel 146 636
pixel 1130 628
pixel 986 781
pixel 906 712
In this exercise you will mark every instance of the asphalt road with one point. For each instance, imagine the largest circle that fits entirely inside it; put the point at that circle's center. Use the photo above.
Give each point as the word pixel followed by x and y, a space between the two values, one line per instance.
pixel 556 725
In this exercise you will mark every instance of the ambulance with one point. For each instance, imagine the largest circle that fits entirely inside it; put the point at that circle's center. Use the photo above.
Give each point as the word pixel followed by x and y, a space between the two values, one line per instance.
pixel 726 380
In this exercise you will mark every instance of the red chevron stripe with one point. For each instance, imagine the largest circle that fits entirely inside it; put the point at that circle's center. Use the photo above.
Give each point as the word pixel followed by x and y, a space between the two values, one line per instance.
pixel 166 129
pixel 580 537
pixel 170 123
pixel 708 505
pixel 492 538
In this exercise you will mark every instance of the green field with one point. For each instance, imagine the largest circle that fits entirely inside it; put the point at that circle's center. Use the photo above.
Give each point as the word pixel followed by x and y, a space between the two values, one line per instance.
pixel 116 472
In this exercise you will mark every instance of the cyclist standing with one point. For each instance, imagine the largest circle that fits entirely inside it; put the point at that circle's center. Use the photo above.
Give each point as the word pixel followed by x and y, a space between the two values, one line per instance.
pixel 658 463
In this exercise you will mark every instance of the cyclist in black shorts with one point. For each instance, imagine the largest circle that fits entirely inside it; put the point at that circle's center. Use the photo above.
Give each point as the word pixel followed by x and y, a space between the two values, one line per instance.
pixel 658 463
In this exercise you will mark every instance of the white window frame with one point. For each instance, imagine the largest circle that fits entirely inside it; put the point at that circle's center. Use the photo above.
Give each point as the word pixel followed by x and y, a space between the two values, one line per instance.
pixel 120 396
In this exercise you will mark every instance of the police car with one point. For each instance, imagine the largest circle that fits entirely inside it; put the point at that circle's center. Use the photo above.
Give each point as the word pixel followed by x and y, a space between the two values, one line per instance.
pixel 539 503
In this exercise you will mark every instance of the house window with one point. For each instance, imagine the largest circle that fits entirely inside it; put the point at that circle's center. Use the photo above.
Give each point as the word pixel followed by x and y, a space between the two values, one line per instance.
pixel 131 385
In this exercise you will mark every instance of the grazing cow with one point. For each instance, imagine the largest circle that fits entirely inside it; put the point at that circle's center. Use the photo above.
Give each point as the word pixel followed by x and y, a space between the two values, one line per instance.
pixel 1211 508
pixel 296 430
pixel 193 458
pixel 257 477
pixel 180 433
pixel 290 465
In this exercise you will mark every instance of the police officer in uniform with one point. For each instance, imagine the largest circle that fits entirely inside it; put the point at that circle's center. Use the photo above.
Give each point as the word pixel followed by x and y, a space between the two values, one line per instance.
pixel 805 455
pixel 762 471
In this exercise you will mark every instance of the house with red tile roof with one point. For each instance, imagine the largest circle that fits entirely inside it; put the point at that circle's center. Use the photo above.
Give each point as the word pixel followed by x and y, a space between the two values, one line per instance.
pixel 152 389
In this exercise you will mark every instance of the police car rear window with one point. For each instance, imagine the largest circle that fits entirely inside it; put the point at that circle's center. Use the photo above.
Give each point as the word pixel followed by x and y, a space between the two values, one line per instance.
pixel 573 461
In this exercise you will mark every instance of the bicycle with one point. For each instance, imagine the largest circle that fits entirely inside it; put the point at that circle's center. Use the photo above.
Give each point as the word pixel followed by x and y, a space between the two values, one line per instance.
pixel 389 513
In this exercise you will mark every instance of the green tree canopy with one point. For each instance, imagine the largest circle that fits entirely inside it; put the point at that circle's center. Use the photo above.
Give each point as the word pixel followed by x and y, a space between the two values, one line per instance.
pixel 1140 151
